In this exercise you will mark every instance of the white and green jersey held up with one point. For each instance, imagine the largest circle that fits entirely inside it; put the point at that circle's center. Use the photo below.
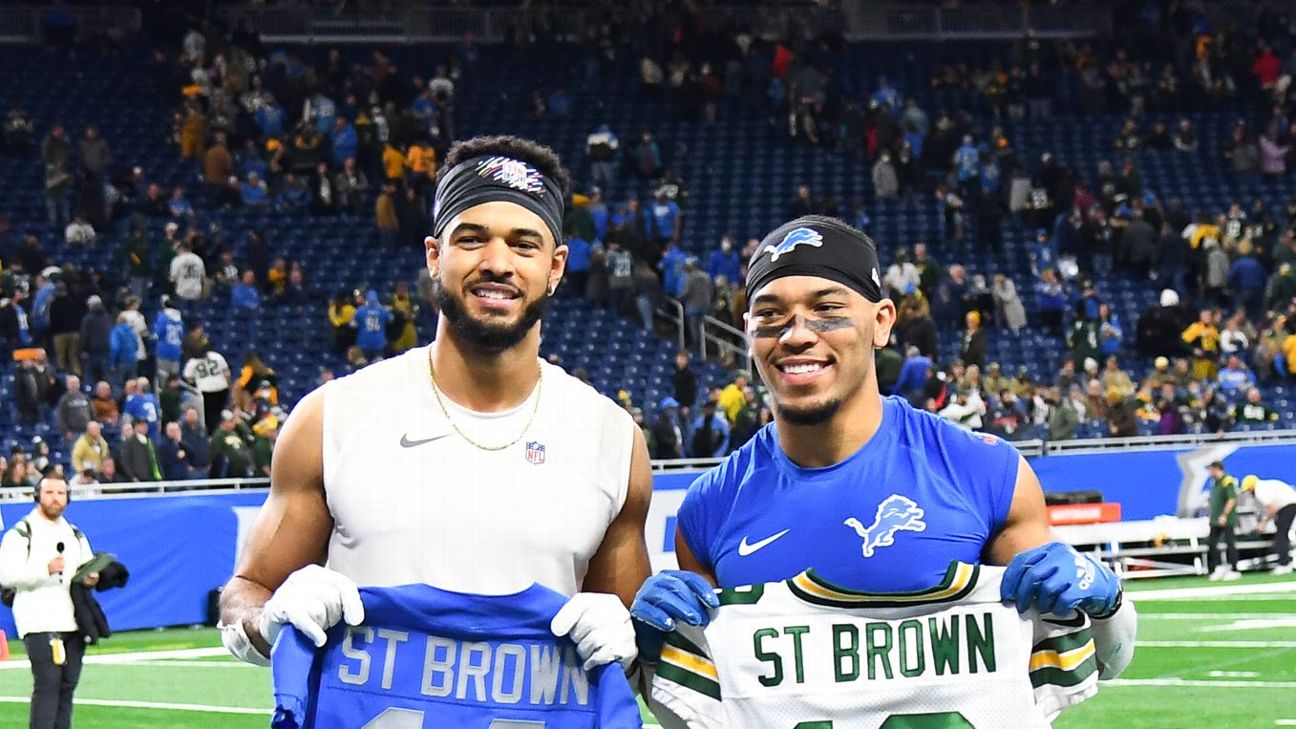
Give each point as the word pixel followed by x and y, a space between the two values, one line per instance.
pixel 807 654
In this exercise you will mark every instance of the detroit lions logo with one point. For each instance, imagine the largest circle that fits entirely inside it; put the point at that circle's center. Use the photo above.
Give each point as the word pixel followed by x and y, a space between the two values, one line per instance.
pixel 896 513
pixel 795 237
pixel 512 172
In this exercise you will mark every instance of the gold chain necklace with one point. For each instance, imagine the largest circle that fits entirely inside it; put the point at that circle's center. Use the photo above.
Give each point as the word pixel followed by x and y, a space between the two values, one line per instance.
pixel 436 390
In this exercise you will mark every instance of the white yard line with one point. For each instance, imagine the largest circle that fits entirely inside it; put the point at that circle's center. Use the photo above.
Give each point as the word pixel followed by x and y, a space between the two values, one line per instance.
pixel 1282 598
pixel 1212 591
pixel 194 664
pixel 150 705
pixel 1220 617
pixel 133 657
pixel 1216 644
pixel 1191 683
pixel 1256 623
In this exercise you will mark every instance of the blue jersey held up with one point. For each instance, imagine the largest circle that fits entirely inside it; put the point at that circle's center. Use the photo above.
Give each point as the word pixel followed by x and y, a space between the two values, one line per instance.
pixel 427 658
pixel 919 494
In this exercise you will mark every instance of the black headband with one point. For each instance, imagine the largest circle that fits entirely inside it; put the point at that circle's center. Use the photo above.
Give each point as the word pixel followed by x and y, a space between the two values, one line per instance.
pixel 817 246
pixel 495 178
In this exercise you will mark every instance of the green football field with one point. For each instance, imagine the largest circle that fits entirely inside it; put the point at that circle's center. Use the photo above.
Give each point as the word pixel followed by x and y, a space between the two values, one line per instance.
pixel 1209 655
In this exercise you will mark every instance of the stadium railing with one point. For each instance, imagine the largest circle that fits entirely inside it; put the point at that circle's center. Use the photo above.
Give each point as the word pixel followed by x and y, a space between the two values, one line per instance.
pixel 722 341
pixel 489 25
pixel 1090 445
pixel 1029 448
pixel 673 312
pixel 18 25
pixel 908 21
pixel 23 24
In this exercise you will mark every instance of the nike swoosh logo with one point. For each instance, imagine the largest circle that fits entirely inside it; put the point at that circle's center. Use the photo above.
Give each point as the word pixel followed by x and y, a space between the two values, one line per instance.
pixel 407 443
pixel 745 549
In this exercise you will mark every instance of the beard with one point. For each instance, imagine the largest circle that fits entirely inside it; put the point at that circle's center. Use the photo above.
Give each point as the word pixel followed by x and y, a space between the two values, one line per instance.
pixel 487 336
pixel 816 414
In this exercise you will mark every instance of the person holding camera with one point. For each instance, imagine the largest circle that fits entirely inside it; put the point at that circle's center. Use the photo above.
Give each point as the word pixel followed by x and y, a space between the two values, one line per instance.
pixel 39 558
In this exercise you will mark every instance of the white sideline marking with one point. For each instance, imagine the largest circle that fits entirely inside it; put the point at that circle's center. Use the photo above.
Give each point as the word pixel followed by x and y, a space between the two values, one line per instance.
pixel 1233 674
pixel 1222 617
pixel 1187 683
pixel 1285 722
pixel 1250 624
pixel 193 664
pixel 150 705
pixel 1188 593
pixel 1286 600
pixel 1216 644
pixel 133 657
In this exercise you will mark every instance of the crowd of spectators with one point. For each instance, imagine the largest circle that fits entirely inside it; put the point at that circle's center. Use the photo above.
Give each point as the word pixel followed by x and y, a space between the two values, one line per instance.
pixel 1084 225
pixel 266 129
pixel 261 130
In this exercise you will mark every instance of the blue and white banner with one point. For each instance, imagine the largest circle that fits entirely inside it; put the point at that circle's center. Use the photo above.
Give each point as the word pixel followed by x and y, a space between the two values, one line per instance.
pixel 1152 483
pixel 180 547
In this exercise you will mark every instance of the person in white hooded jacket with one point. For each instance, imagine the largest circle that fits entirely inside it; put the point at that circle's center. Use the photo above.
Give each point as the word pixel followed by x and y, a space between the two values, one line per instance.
pixel 38 558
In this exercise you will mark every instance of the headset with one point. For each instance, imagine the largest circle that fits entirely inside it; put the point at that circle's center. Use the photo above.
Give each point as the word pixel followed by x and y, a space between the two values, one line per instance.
pixel 36 490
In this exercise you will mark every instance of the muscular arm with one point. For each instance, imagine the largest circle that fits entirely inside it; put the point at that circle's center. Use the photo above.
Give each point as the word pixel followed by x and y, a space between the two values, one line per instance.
pixel 292 528
pixel 687 560
pixel 1027 525
pixel 620 565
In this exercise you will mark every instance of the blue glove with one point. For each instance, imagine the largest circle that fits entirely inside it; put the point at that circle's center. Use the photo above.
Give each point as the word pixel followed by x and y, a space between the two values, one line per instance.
pixel 1058 579
pixel 674 595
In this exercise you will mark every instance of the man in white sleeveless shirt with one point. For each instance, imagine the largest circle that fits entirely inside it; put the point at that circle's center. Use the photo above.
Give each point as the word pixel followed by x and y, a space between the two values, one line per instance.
pixel 469 465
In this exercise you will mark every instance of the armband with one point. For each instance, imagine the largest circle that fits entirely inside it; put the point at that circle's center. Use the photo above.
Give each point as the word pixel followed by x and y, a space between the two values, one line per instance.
pixel 1114 637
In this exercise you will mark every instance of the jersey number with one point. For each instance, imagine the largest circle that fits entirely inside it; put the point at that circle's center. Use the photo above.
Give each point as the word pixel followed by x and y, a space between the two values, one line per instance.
pixel 938 720
pixel 394 718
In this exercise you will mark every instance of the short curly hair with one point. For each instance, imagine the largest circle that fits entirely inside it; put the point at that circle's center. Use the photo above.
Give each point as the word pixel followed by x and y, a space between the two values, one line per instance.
pixel 535 154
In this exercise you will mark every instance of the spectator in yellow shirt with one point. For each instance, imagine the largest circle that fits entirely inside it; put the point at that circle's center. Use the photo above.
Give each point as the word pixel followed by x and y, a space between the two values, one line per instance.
pixel 277 276
pixel 405 312
pixel 421 160
pixel 1204 337
pixel 732 398
pixel 1200 230
pixel 341 314
pixel 385 216
pixel 252 374
pixel 90 450
pixel 393 163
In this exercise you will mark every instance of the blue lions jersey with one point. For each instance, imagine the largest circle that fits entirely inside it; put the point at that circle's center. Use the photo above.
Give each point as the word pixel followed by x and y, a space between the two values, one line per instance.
pixel 919 494
pixel 427 658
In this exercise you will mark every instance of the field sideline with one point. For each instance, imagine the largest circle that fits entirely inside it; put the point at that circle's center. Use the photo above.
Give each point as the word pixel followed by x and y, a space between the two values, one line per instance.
pixel 1233 646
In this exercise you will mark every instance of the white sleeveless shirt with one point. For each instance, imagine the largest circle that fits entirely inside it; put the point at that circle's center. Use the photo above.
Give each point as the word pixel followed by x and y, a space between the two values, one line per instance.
pixel 414 502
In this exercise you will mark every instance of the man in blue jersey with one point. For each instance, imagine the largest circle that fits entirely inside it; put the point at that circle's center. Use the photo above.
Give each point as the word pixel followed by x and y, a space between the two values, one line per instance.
pixel 870 493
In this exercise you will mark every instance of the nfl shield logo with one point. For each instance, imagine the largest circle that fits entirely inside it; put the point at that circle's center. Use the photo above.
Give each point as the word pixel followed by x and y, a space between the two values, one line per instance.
pixel 535 452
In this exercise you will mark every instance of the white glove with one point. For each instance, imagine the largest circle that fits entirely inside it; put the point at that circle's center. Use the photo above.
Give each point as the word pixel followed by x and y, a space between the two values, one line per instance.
pixel 312 600
pixel 600 626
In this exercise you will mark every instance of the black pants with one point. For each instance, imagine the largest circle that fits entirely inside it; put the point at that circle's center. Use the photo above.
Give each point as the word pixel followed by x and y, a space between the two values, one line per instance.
pixel 1282 540
pixel 1212 546
pixel 51 703
pixel 213 404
